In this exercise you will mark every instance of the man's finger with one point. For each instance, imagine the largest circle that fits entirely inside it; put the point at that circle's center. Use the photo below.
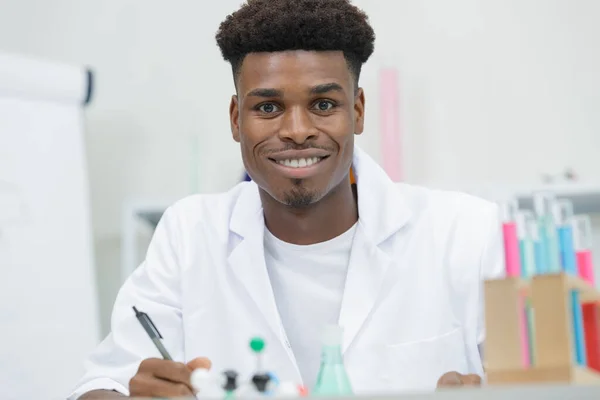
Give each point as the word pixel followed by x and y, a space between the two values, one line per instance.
pixel 200 362
pixel 150 386
pixel 174 372
pixel 471 380
pixel 450 379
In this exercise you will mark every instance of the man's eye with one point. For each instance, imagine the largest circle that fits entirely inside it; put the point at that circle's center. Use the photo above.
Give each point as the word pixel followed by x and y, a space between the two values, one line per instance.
pixel 268 108
pixel 324 105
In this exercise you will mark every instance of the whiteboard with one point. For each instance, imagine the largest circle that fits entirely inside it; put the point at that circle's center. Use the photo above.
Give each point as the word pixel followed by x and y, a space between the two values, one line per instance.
pixel 48 302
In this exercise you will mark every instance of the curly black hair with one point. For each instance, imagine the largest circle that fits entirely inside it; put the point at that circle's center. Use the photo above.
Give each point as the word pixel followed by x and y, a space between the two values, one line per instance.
pixel 280 25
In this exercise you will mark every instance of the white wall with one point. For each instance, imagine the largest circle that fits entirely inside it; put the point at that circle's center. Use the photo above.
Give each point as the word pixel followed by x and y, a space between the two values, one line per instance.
pixel 484 84
pixel 491 83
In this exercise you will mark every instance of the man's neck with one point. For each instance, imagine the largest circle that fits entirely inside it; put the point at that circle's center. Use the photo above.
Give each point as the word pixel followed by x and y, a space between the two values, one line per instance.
pixel 328 218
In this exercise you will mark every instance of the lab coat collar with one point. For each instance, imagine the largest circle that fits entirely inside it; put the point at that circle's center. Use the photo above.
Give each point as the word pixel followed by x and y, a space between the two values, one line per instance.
pixel 382 209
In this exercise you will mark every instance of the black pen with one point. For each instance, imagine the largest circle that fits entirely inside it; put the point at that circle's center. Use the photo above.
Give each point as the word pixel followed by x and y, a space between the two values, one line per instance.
pixel 151 330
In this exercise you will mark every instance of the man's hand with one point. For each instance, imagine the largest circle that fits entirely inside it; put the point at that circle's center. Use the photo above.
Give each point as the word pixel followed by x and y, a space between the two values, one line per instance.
pixel 454 379
pixel 163 378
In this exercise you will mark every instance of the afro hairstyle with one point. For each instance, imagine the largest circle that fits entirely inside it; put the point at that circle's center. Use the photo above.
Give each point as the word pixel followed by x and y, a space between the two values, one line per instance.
pixel 312 25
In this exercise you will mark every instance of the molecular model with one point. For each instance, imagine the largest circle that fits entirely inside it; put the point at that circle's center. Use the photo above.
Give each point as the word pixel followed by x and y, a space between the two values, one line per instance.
pixel 228 384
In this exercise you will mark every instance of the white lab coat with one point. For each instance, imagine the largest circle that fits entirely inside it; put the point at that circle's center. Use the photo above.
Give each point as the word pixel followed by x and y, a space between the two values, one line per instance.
pixel 412 307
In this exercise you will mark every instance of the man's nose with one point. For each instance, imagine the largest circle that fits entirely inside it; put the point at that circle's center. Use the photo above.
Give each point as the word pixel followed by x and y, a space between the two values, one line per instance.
pixel 297 126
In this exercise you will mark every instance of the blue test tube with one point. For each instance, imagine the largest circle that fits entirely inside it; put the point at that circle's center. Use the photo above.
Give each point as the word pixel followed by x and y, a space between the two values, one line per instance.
pixel 526 244
pixel 578 331
pixel 563 215
pixel 544 206
pixel 529 240
pixel 541 257
pixel 541 263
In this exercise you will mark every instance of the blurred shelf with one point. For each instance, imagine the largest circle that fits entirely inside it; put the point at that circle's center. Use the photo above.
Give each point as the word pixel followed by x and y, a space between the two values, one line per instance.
pixel 585 197
pixel 149 211
pixel 151 217
pixel 146 211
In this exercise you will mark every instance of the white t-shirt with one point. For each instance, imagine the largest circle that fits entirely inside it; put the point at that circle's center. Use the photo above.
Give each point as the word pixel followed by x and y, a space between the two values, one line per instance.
pixel 308 284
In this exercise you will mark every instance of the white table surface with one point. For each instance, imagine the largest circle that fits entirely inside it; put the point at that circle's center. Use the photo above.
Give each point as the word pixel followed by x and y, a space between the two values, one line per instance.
pixel 544 392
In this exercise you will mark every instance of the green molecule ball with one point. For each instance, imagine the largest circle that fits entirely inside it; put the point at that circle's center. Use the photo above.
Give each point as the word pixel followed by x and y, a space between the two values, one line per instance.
pixel 257 344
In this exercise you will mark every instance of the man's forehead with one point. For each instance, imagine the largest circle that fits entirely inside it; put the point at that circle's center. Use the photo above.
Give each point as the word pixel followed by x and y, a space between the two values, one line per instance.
pixel 301 67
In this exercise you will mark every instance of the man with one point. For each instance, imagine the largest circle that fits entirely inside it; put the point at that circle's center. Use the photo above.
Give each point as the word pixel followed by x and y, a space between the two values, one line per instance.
pixel 398 267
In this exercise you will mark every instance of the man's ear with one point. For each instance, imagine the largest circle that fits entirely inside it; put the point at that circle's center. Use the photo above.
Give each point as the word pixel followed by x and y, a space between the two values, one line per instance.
pixel 359 111
pixel 234 118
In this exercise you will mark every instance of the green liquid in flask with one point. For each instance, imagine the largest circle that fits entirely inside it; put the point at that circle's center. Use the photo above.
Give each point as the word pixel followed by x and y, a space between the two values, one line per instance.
pixel 332 379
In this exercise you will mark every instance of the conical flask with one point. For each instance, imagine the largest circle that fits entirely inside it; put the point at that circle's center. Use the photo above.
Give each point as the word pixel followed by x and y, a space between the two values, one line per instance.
pixel 332 379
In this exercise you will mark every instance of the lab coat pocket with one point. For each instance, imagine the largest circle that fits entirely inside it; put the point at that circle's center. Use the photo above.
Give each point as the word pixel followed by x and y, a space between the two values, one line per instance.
pixel 417 366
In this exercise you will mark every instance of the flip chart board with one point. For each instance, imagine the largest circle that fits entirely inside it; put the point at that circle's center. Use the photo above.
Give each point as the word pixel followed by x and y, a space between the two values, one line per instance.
pixel 48 302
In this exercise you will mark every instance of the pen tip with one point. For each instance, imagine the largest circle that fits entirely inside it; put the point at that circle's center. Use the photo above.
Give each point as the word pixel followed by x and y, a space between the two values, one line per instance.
pixel 136 310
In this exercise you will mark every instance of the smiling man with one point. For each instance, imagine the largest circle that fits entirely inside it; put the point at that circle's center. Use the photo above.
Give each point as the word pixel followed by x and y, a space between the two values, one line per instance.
pixel 320 236
pixel 295 117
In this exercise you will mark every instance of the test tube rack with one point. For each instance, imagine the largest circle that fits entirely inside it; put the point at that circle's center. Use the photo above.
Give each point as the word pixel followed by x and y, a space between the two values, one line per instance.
pixel 529 330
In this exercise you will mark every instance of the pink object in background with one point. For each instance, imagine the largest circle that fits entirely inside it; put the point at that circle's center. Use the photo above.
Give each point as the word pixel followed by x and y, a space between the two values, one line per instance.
pixel 585 266
pixel 524 332
pixel 583 243
pixel 390 122
pixel 511 249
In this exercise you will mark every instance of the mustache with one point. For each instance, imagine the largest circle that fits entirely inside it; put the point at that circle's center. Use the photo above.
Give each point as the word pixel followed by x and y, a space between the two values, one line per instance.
pixel 297 147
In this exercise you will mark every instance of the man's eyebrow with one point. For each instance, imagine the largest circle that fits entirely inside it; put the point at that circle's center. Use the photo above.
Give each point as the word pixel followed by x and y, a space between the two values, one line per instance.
pixel 326 87
pixel 265 92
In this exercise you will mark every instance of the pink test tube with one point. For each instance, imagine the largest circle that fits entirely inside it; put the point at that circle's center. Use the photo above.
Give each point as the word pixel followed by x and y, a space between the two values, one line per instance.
pixel 524 332
pixel 512 258
pixel 582 237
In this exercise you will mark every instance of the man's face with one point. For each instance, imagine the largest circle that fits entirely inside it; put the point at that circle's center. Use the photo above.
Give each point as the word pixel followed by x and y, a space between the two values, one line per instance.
pixel 295 117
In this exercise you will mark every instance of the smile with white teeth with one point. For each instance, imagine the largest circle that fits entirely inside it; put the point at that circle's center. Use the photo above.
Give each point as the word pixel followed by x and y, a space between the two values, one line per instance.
pixel 300 162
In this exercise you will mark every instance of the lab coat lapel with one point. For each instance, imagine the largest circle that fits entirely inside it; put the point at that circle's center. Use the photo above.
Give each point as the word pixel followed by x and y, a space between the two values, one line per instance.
pixel 382 213
pixel 247 258
pixel 366 271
